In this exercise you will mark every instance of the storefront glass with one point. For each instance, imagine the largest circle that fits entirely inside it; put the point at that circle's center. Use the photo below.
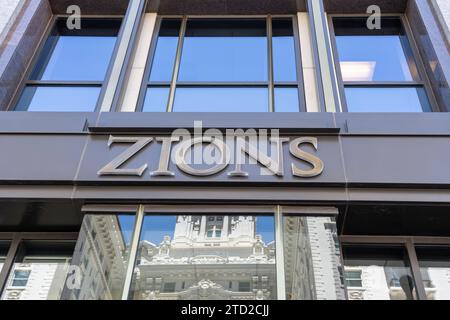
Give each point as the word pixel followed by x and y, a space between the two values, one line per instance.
pixel 378 273
pixel 312 259
pixel 39 271
pixel 195 257
pixel 100 258
pixel 434 265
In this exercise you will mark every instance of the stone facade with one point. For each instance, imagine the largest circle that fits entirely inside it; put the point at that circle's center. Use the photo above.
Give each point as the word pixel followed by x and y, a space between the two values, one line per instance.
pixel 444 5
pixel 8 11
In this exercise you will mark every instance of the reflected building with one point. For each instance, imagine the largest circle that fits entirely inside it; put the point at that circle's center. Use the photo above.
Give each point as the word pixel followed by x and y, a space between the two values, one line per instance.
pixel 36 280
pixel 100 260
pixel 387 283
pixel 209 257
pixel 312 259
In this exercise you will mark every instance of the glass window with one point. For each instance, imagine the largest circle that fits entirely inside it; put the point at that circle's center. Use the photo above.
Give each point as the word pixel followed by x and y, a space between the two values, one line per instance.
pixel 156 99
pixel 378 67
pixel 166 49
pixel 221 100
pixel 71 67
pixel 405 99
pixel 286 100
pixel 284 65
pixel 224 50
pixel 434 262
pixel 39 271
pixel 20 278
pixel 378 273
pixel 223 66
pixel 178 261
pixel 4 247
pixel 51 98
pixel 353 278
pixel 312 259
pixel 100 262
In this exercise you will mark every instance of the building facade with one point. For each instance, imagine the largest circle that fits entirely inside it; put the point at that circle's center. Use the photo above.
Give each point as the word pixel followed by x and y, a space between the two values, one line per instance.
pixel 226 150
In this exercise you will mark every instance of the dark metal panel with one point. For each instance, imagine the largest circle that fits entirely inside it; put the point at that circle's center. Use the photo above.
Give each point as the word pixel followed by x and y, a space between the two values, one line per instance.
pixel 397 160
pixel 42 215
pixel 41 122
pixel 397 220
pixel 40 157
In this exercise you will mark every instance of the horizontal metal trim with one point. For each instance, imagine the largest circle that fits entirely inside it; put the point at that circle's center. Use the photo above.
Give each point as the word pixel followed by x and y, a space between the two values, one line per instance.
pixel 105 208
pixel 310 211
pixel 212 209
pixel 208 209
pixel 226 16
pixel 222 84
pixel 393 240
pixel 8 236
pixel 168 130
pixel 64 83
pixel 44 236
pixel 383 83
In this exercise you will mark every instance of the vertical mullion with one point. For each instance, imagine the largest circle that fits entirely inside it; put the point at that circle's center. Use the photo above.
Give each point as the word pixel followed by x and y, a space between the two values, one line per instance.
pixel 299 65
pixel 134 244
pixel 279 254
pixel 9 262
pixel 123 48
pixel 415 269
pixel 176 67
pixel 270 63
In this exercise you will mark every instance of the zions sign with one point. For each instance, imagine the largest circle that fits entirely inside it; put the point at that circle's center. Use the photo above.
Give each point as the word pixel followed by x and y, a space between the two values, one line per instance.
pixel 213 152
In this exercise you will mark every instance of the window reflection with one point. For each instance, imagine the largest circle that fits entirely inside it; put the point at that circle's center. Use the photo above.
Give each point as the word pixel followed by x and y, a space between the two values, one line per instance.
pixel 373 99
pixel 221 100
pixel 77 55
pixel 434 265
pixel 286 100
pixel 205 257
pixel 378 273
pixel 224 50
pixel 374 55
pixel 156 99
pixel 49 98
pixel 39 271
pixel 312 259
pixel 166 49
pixel 283 50
pixel 374 58
pixel 100 258
pixel 378 67
pixel 223 66
pixel 71 67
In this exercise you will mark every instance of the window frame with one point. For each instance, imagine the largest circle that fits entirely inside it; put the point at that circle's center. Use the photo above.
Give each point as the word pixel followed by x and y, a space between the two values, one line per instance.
pixel 424 81
pixel 270 84
pixel 27 82
pixel 409 244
